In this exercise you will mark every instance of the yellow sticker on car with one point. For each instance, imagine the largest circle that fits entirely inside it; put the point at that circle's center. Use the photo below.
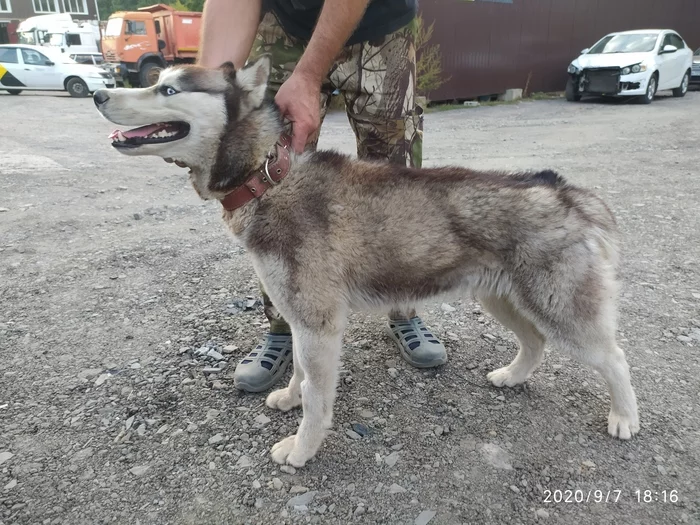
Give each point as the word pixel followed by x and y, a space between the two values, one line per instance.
pixel 7 79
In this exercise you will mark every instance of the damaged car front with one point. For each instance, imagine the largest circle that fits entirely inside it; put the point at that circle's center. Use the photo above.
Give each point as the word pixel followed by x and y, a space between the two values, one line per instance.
pixel 631 64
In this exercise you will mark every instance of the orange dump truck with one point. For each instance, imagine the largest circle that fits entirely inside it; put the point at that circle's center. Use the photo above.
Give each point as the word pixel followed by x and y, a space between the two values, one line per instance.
pixel 137 45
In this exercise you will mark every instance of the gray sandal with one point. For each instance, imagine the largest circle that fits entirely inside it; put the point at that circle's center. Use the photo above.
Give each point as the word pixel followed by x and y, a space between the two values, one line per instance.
pixel 418 346
pixel 265 365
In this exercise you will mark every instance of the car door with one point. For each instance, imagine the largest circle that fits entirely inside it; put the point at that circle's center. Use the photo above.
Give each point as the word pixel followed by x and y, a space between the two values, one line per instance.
pixel 682 58
pixel 11 71
pixel 39 70
pixel 667 68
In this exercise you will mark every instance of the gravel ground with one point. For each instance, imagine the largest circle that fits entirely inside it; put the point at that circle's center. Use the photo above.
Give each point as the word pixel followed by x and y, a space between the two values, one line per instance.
pixel 125 305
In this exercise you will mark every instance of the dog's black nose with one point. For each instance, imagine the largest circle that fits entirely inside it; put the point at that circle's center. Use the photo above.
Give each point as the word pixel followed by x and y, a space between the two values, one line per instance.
pixel 100 97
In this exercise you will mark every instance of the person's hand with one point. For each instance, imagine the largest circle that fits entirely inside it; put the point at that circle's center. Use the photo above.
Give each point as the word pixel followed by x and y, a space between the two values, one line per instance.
pixel 299 100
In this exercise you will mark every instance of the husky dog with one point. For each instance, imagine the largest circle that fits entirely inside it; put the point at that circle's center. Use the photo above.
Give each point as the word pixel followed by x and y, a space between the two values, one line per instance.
pixel 326 232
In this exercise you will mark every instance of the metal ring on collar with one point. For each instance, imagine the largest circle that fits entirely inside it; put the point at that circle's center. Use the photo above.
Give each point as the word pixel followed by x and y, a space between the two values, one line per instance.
pixel 267 173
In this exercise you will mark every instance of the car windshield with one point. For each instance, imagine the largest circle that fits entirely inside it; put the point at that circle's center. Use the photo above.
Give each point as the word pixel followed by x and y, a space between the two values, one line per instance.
pixel 638 43
pixel 27 37
pixel 114 27
pixel 697 52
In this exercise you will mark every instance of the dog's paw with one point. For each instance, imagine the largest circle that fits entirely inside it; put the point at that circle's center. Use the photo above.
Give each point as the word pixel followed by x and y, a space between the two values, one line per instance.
pixel 622 427
pixel 283 400
pixel 505 377
pixel 286 451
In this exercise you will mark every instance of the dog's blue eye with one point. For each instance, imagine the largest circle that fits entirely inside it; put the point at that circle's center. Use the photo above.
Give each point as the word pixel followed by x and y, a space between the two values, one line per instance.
pixel 168 91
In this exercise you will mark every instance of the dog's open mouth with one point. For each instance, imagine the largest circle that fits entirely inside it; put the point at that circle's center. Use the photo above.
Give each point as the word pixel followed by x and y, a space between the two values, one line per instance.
pixel 151 134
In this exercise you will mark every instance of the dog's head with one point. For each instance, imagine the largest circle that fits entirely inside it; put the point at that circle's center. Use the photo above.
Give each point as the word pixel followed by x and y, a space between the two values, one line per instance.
pixel 185 116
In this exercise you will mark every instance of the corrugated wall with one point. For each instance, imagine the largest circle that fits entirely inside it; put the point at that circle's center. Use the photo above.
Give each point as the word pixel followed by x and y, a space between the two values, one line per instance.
pixel 489 46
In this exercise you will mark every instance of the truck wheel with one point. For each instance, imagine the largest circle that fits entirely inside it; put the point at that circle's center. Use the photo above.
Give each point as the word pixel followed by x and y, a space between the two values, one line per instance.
pixel 14 91
pixel 149 74
pixel 572 94
pixel 77 88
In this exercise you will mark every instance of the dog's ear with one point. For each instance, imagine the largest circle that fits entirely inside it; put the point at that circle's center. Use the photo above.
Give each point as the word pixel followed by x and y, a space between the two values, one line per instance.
pixel 229 71
pixel 253 79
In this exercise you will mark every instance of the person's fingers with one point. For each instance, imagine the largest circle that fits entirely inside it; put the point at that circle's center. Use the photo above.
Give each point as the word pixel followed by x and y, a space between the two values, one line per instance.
pixel 301 134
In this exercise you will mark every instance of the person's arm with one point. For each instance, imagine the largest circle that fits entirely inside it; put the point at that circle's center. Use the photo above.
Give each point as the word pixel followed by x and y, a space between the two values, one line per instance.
pixel 228 31
pixel 299 97
pixel 336 23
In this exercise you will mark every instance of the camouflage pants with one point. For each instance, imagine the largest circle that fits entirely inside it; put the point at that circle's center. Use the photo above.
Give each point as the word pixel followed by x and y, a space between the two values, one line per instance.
pixel 377 80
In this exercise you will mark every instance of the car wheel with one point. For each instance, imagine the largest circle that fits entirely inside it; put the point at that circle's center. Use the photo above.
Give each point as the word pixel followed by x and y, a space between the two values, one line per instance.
pixel 77 88
pixel 652 86
pixel 14 91
pixel 683 89
pixel 149 74
pixel 572 94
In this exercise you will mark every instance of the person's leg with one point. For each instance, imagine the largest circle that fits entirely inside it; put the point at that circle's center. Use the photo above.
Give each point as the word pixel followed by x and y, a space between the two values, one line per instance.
pixel 378 81
pixel 266 364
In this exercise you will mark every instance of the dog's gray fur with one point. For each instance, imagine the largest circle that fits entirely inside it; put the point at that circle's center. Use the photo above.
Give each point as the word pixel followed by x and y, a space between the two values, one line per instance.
pixel 340 234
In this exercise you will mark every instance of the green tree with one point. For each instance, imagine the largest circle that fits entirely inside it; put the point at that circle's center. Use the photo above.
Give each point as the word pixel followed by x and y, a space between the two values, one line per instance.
pixel 429 75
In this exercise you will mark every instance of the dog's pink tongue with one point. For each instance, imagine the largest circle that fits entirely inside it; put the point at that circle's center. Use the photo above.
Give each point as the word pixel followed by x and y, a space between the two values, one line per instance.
pixel 141 132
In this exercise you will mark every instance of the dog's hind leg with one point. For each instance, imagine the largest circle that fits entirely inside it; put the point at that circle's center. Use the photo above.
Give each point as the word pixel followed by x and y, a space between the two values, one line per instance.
pixel 318 355
pixel 609 361
pixel 531 342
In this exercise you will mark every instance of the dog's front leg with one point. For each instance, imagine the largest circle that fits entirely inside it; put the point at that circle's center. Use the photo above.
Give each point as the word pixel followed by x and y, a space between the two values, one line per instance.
pixel 318 354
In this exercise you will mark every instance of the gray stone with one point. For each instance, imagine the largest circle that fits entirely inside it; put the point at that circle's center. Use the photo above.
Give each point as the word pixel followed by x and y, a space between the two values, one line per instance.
pixel 542 514
pixel 298 489
pixel 244 462
pixel 216 438
pixel 288 469
pixel 511 95
pixel 391 459
pixel 396 489
pixel 368 414
pixel 277 483
pixel 215 355
pixel 89 373
pixel 262 419
pixel 256 484
pixel 424 517
pixel 139 471
pixel 4 456
pixel 101 379
pixel 81 455
pixel 302 499
pixel 352 434
pixel 12 484
pixel 447 308
pixel 393 372
pixel 496 456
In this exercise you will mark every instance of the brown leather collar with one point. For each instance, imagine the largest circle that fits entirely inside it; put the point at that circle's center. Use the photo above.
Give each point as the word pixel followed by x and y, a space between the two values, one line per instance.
pixel 269 174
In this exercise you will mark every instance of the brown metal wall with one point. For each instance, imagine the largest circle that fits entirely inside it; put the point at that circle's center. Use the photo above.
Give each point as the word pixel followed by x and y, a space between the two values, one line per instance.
pixel 489 47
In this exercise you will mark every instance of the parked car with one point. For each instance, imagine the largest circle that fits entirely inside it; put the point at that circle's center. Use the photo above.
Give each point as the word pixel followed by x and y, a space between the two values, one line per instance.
pixel 695 75
pixel 632 64
pixel 25 67
pixel 96 59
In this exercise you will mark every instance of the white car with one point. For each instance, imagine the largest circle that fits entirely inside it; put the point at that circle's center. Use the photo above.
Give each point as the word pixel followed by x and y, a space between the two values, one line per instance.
pixel 632 64
pixel 25 67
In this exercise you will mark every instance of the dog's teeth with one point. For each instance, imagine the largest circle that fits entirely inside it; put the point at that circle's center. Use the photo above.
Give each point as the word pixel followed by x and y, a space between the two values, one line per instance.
pixel 120 137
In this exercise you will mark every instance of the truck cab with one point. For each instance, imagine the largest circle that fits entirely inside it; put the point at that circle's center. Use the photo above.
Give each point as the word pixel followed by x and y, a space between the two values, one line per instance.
pixel 137 45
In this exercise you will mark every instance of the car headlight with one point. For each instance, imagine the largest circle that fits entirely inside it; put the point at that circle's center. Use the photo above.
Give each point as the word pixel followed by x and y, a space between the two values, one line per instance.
pixel 637 68
pixel 572 69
